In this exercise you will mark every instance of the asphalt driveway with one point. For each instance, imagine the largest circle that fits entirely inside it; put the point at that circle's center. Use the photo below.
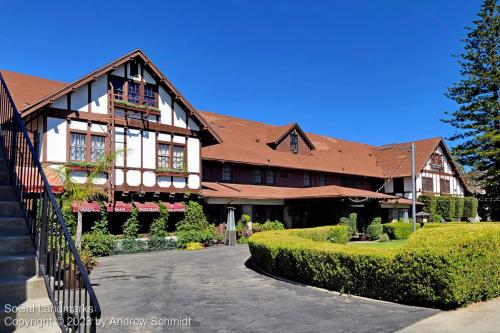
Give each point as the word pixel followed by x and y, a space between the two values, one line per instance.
pixel 214 291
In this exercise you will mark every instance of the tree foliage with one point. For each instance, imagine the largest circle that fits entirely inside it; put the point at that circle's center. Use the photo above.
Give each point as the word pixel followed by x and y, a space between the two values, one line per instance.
pixel 159 224
pixel 132 225
pixel 477 118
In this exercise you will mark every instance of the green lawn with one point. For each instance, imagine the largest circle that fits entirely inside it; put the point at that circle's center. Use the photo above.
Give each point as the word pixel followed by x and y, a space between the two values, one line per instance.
pixel 381 245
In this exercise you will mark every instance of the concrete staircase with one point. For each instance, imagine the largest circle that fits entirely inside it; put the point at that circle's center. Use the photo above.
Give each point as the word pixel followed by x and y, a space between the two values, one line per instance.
pixel 24 304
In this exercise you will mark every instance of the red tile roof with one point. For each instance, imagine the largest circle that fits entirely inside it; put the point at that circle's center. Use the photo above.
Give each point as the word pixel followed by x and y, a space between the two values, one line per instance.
pixel 261 192
pixel 245 141
pixel 27 89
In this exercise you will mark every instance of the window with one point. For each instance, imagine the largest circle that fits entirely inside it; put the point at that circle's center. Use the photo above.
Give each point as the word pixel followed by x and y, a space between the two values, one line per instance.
pixel 399 185
pixel 307 179
pixel 284 174
pixel 436 161
pixel 294 142
pixel 117 88
pixel 178 158
pixel 227 173
pixel 96 148
pixel 78 148
pixel 270 177
pixel 163 155
pixel 445 186
pixel 134 69
pixel 257 176
pixel 134 95
pixel 149 95
pixel 349 182
pixel 427 184
pixel 322 180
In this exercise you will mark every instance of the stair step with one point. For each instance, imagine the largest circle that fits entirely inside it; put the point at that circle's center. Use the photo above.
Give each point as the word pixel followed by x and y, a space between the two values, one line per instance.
pixel 4 178
pixel 15 265
pixel 33 315
pixel 13 226
pixel 17 289
pixel 12 245
pixel 7 193
pixel 10 208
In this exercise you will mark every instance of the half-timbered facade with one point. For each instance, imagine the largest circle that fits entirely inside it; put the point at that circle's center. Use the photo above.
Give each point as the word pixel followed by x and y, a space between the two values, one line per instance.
pixel 127 111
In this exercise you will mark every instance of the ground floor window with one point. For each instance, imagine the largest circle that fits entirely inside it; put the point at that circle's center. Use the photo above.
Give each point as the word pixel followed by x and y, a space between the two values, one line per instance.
pixel 78 148
pixel 445 186
pixel 427 184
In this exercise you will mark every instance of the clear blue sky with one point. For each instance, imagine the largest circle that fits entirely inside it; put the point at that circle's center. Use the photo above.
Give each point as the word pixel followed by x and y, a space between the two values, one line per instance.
pixel 369 71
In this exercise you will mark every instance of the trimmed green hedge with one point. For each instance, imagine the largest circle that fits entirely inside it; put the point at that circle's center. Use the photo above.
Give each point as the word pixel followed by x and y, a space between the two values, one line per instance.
pixel 334 234
pixel 398 230
pixel 450 208
pixel 443 267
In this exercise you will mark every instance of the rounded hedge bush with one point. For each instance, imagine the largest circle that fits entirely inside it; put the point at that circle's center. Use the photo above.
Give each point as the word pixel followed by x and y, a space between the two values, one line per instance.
pixel 445 267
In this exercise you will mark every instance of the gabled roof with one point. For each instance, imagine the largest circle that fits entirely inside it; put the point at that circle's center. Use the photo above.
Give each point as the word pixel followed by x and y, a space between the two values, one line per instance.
pixel 276 134
pixel 46 91
pixel 27 89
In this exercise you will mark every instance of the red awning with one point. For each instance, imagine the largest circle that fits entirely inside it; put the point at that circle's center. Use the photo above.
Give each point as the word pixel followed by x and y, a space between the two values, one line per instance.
pixel 147 207
pixel 175 207
pixel 120 207
pixel 86 207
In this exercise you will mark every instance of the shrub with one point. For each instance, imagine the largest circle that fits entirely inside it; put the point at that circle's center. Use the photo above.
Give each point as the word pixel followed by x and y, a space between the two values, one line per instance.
pixel 69 216
pixel 384 238
pixel 470 208
pixel 243 240
pixel 159 224
pixel 459 208
pixel 445 206
pixel 132 225
pixel 374 230
pixel 194 246
pixel 398 230
pixel 101 224
pixel 436 218
pixel 130 246
pixel 194 228
pixel 334 234
pixel 268 225
pixel 88 259
pixel 444 267
pixel 351 222
pixel 429 202
pixel 98 242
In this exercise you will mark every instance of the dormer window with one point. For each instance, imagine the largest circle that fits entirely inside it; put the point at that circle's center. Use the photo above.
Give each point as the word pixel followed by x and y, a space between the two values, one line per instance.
pixel 294 142
pixel 437 161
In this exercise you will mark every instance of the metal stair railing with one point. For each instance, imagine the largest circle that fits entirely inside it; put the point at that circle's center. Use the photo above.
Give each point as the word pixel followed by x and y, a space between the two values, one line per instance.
pixel 74 302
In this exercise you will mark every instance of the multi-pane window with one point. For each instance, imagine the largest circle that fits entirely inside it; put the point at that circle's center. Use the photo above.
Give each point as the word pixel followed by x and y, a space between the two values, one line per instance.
pixel 134 94
pixel 294 142
pixel 96 148
pixel 436 161
pixel 163 155
pixel 257 176
pixel 307 179
pixel 322 180
pixel 445 186
pixel 227 173
pixel 284 174
pixel 178 158
pixel 270 177
pixel 427 184
pixel 149 95
pixel 78 148
pixel 117 88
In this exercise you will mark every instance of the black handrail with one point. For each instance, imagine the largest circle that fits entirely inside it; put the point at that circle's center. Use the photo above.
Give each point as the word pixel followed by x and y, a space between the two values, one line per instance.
pixel 68 285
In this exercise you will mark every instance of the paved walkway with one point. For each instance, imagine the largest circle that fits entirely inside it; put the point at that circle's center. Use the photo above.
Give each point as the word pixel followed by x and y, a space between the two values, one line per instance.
pixel 217 292
pixel 482 318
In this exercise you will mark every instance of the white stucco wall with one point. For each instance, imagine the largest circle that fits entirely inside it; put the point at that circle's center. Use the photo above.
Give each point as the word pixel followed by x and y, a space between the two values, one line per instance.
pixel 194 182
pixel 149 150
pixel 165 105
pixel 78 125
pixel 56 140
pixel 193 152
pixel 79 99
pixel 61 103
pixel 179 116
pixel 133 177
pixel 133 150
pixel 148 178
pixel 99 95
pixel 119 146
pixel 119 176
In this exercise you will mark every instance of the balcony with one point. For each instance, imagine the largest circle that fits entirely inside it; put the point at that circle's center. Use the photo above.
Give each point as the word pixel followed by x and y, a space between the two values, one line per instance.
pixel 136 97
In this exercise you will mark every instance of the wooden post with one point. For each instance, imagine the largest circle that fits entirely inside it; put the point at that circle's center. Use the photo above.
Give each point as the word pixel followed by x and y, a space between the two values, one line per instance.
pixel 78 237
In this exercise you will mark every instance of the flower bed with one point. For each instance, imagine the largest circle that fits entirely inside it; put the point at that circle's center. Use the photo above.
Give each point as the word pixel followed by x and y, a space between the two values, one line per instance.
pixel 443 267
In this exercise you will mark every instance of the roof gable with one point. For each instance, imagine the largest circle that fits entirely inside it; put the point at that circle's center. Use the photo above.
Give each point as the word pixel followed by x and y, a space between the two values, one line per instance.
pixel 278 133
pixel 50 91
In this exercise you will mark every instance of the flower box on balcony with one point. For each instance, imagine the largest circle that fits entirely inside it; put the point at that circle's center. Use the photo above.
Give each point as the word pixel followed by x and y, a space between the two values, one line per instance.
pixel 137 107
pixel 171 172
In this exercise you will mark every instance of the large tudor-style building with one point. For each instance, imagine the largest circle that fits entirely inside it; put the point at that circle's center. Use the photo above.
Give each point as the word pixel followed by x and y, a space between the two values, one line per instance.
pixel 167 150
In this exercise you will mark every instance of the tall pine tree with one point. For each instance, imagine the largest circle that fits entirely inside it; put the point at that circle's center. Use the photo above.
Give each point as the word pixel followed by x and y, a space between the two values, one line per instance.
pixel 477 118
